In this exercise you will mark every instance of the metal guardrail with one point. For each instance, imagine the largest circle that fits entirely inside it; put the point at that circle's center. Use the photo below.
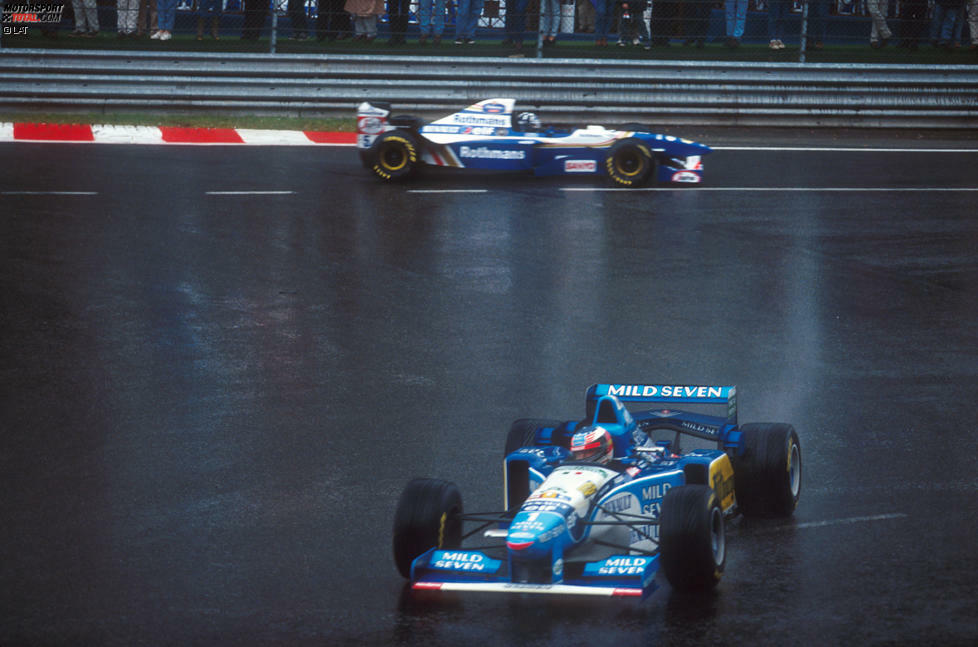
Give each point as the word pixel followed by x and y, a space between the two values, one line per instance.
pixel 676 92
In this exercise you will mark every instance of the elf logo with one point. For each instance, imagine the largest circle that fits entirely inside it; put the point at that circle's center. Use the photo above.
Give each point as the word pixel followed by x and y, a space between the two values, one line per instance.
pixel 687 177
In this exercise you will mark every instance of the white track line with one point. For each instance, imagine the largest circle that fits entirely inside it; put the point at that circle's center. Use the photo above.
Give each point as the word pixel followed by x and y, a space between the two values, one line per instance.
pixel 48 192
pixel 845 521
pixel 448 190
pixel 851 520
pixel 826 189
pixel 250 192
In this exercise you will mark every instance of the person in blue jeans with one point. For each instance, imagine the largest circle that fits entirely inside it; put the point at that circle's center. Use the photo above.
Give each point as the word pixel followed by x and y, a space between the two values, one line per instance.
pixel 549 20
pixel 166 12
pixel 604 10
pixel 431 20
pixel 736 16
pixel 515 22
pixel 466 20
pixel 946 26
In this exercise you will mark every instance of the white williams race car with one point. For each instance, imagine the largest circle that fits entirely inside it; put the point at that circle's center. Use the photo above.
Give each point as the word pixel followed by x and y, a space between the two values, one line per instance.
pixel 491 135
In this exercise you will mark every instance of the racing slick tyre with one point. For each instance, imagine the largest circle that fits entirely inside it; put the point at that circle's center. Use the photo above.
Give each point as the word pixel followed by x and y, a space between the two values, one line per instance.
pixel 630 163
pixel 395 155
pixel 767 472
pixel 522 433
pixel 692 539
pixel 428 516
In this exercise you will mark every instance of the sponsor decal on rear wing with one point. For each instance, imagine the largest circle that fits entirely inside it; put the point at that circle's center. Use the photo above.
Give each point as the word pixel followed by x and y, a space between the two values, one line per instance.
pixel 669 393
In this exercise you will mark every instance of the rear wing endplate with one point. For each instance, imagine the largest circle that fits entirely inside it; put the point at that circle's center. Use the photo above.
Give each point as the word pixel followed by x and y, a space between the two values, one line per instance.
pixel 668 393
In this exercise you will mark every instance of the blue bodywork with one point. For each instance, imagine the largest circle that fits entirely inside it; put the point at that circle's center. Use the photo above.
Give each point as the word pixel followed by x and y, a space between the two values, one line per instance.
pixel 584 528
pixel 485 136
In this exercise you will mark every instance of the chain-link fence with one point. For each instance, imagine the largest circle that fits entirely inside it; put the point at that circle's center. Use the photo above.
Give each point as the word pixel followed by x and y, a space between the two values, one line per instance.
pixel 904 31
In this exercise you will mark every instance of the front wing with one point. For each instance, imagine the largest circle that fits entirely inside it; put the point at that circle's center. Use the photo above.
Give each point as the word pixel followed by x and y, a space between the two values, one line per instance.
pixel 471 570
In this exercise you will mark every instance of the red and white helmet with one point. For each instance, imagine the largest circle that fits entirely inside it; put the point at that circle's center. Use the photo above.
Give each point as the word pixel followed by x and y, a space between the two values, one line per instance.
pixel 592 444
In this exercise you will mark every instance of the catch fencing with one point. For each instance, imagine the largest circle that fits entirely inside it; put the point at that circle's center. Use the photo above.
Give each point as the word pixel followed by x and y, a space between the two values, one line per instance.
pixel 602 91
pixel 795 28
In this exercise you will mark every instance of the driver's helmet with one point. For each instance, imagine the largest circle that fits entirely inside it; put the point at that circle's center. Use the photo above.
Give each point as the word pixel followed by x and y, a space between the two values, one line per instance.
pixel 527 122
pixel 592 444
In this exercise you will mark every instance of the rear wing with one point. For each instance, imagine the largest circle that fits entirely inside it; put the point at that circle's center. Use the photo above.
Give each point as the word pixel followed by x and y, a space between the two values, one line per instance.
pixel 667 393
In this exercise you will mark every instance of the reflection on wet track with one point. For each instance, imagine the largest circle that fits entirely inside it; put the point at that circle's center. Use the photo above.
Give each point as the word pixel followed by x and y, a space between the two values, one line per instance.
pixel 220 369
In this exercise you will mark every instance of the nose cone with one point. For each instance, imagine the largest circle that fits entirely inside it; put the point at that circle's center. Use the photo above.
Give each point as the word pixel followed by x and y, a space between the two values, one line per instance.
pixel 532 534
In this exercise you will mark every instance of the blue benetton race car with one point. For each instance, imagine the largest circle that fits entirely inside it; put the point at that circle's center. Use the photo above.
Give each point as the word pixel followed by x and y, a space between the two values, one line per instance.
pixel 598 506
pixel 490 135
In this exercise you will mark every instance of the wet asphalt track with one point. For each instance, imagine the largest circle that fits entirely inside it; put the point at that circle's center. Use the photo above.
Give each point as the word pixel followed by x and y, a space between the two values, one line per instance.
pixel 210 401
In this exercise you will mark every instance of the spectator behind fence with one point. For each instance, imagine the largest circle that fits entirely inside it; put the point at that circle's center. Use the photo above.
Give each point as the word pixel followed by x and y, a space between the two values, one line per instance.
pixel 880 33
pixel 255 13
pixel 631 23
pixel 584 15
pixel 549 21
pixel 735 13
pixel 126 16
pixel 431 20
pixel 973 23
pixel 166 11
pixel 48 29
pixel 398 13
pixel 913 26
pixel 147 19
pixel 365 14
pixel 332 23
pixel 697 21
pixel 777 13
pixel 663 21
pixel 945 28
pixel 297 18
pixel 515 23
pixel 467 16
pixel 209 9
pixel 604 10
pixel 86 18
pixel 818 17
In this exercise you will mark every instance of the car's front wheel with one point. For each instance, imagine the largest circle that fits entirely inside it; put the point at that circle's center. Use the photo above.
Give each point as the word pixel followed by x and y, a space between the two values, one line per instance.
pixel 630 163
pixel 692 538
pixel 395 155
pixel 428 516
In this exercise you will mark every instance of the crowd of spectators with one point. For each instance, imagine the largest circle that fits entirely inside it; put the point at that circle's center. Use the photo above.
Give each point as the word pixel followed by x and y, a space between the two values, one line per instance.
pixel 643 23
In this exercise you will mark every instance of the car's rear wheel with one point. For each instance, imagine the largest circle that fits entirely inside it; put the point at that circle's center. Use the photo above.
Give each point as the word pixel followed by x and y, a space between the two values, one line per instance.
pixel 428 516
pixel 767 472
pixel 395 155
pixel 692 538
pixel 630 163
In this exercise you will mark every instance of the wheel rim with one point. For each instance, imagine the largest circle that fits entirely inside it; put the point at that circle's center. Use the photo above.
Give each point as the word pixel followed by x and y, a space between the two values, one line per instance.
pixel 794 470
pixel 717 536
pixel 450 528
pixel 393 158
pixel 629 163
